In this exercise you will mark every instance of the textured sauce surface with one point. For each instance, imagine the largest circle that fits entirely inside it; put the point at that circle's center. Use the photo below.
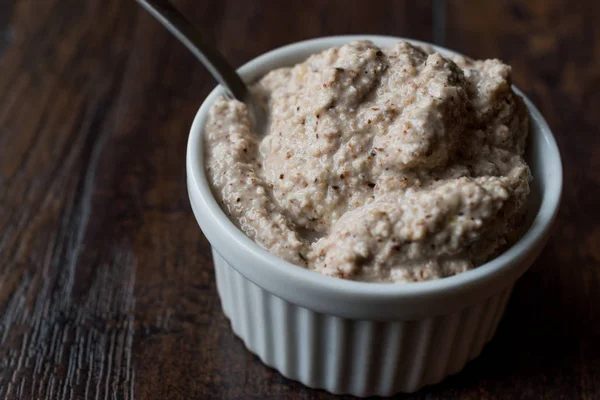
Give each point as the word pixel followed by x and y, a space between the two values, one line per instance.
pixel 379 164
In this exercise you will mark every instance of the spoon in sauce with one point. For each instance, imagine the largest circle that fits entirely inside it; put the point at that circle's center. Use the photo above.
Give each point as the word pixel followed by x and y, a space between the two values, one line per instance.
pixel 208 55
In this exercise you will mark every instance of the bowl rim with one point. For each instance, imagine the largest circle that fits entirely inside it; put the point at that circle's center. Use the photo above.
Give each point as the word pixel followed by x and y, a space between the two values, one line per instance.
pixel 215 223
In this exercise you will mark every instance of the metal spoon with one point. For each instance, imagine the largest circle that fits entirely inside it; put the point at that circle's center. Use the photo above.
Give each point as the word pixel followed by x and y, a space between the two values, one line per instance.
pixel 208 55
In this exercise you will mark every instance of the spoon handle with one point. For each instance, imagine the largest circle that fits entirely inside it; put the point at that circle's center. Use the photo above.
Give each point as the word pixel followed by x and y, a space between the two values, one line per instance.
pixel 216 64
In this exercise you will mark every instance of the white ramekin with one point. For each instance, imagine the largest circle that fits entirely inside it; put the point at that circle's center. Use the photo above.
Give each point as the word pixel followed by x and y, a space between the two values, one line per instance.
pixel 354 337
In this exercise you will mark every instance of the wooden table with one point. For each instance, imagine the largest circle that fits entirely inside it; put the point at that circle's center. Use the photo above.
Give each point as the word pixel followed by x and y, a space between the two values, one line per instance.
pixel 106 282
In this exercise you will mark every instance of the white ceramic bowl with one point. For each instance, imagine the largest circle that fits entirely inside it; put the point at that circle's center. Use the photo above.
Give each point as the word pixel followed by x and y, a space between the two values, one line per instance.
pixel 355 337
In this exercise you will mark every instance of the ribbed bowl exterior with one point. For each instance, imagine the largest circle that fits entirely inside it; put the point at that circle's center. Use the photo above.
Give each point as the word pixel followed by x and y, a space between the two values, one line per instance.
pixel 354 356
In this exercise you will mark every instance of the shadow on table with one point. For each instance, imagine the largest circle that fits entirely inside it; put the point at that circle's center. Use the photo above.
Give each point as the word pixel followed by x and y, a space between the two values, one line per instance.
pixel 545 340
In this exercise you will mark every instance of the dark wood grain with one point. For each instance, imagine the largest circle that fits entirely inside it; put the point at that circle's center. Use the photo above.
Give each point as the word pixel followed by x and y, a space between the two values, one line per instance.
pixel 106 282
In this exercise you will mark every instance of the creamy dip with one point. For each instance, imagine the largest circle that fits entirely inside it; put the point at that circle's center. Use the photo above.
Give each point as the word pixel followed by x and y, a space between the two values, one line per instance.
pixel 379 164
